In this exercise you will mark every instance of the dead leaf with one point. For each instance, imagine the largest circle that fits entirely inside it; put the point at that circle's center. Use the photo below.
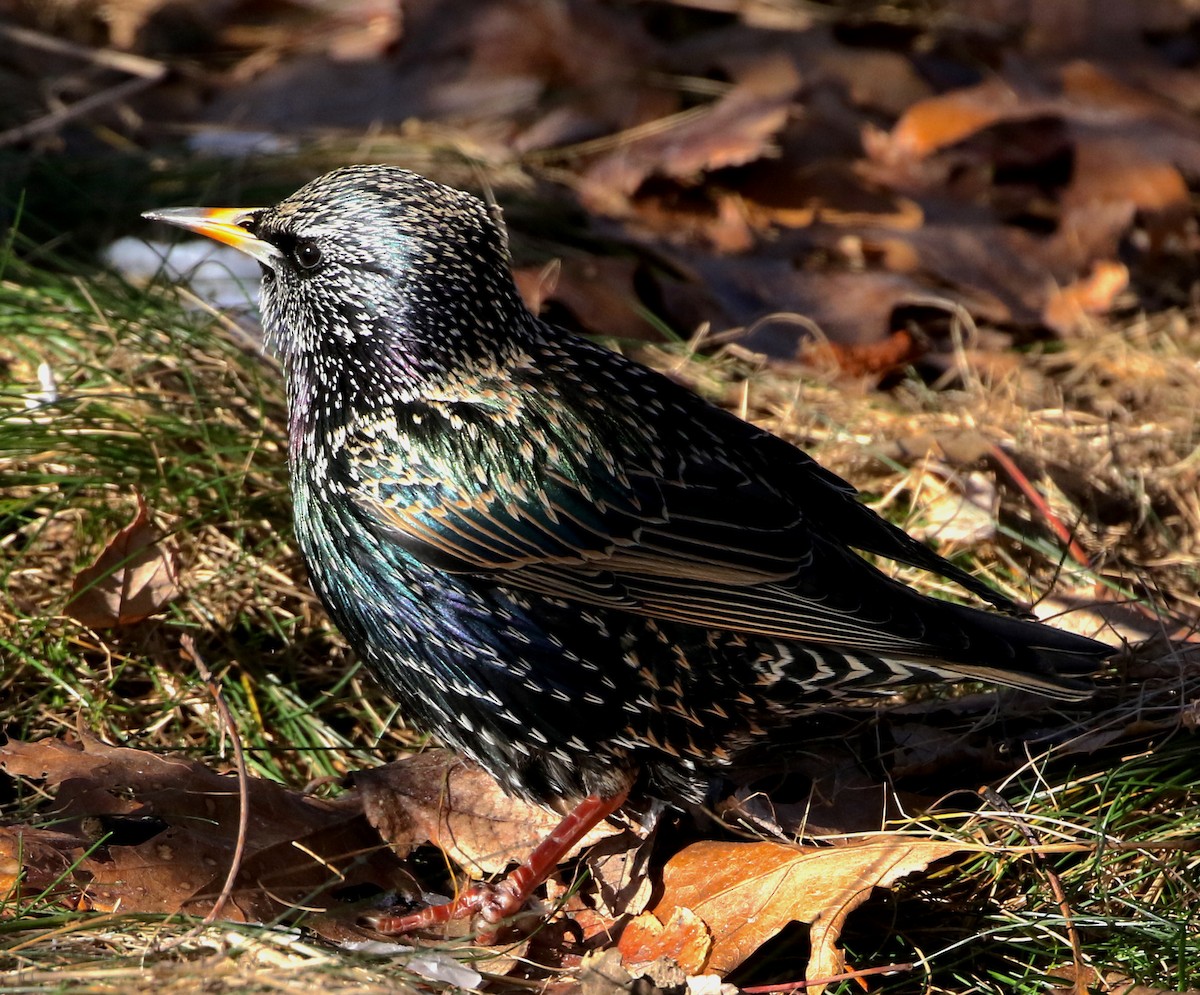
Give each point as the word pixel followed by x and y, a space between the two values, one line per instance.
pixel 778 191
pixel 620 883
pixel 1079 24
pixel 1112 170
pixel 1069 306
pixel 997 272
pixel 459 808
pixel 1109 168
pixel 782 310
pixel 136 576
pixel 602 973
pixel 934 123
pixel 684 940
pixel 146 833
pixel 736 129
pixel 598 291
pixel 35 861
pixel 747 892
pixel 877 359
pixel 531 49
pixel 838 797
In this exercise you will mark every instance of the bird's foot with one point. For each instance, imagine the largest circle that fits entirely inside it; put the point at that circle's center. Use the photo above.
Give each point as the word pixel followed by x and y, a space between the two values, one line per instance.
pixel 490 903
pixel 494 903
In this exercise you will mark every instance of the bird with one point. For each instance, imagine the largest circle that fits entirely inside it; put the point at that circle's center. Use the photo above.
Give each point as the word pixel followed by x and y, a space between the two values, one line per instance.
pixel 582 575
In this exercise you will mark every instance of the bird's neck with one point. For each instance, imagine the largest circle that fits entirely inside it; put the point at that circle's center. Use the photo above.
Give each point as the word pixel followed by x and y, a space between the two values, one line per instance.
pixel 331 395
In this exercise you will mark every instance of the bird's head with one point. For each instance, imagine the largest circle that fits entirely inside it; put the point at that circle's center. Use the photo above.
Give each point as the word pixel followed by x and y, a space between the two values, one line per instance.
pixel 371 262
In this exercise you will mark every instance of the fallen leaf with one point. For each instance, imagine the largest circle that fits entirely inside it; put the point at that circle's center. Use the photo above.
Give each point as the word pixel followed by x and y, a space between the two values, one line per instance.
pixel 620 883
pixel 840 797
pixel 36 861
pixel 781 310
pixel 136 576
pixel 683 939
pixel 736 129
pixel 602 973
pixel 1095 293
pixel 1108 167
pixel 459 808
pixel 598 292
pixel 934 123
pixel 1110 170
pixel 531 48
pixel 877 359
pixel 747 892
pixel 146 833
pixel 778 191
pixel 1079 24
pixel 997 272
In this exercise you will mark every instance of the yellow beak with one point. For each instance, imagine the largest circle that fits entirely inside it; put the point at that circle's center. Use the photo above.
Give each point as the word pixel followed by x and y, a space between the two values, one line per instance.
pixel 223 224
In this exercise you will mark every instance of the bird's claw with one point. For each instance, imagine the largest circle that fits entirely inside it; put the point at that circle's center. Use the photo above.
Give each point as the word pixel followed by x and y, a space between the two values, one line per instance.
pixel 491 903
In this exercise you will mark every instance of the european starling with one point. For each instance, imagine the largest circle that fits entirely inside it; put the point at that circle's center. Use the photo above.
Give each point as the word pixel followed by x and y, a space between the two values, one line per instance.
pixel 570 568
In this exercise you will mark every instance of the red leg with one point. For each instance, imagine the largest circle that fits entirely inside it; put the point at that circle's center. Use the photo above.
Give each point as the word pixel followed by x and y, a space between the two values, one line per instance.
pixel 494 903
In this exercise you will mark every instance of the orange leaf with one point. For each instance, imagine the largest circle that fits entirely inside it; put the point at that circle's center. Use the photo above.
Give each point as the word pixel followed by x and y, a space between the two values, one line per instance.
pixel 747 892
pixel 1092 294
pixel 136 576
pixel 934 123
pixel 684 939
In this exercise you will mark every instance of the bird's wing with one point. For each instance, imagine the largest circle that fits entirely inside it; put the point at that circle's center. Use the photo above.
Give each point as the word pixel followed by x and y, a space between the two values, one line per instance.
pixel 712 546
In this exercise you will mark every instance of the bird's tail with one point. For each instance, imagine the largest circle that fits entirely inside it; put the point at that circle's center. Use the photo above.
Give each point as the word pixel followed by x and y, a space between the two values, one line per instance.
pixel 1018 653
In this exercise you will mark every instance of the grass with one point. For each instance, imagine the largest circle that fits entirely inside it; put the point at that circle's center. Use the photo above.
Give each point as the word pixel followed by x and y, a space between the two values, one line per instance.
pixel 156 400
pixel 164 401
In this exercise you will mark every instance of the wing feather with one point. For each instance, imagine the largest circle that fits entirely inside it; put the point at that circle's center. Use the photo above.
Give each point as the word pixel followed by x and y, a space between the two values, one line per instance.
pixel 701 565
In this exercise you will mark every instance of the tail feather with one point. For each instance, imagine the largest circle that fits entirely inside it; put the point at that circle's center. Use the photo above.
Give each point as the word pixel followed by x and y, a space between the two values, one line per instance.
pixel 1024 654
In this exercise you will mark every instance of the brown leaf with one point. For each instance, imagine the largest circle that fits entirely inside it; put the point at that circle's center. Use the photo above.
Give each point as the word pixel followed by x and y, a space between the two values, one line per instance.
pixel 747 892
pixel 782 309
pixel 1113 169
pixel 598 291
pixel 136 576
pixel 996 271
pixel 459 808
pixel 532 48
pixel 159 834
pixel 734 130
pixel 683 939
pixel 1068 306
pixel 33 861
pixel 619 882
pixel 842 798
pixel 601 973
pixel 781 192
pixel 937 122
pixel 1080 24
pixel 873 360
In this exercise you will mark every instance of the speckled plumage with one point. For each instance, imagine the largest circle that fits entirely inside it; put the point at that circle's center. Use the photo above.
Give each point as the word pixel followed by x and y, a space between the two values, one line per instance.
pixel 567 566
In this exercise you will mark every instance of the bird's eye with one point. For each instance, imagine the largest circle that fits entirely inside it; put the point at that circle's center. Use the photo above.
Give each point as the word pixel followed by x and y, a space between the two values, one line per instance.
pixel 307 255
